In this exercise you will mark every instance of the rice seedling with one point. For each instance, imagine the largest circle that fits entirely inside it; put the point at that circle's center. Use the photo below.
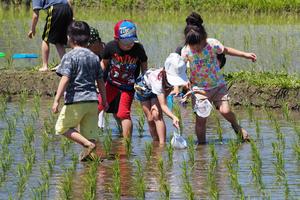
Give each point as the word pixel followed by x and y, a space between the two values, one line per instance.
pixel 164 186
pixel 65 145
pixel 116 179
pixel 91 181
pixel 6 139
pixel 12 124
pixel 37 193
pixel 170 152
pixel 128 146
pixel 3 106
pixel 107 143
pixel 148 150
pixel 49 123
pixel 22 181
pixel 286 110
pixel 234 179
pixel 22 100
pixel 257 128
pixel 74 158
pixel 139 181
pixel 29 133
pixel 65 187
pixel 45 178
pixel 5 163
pixel 37 103
pixel 191 149
pixel 249 111
pixel 256 166
pixel 279 164
pixel 213 190
pixel 140 120
pixel 45 141
pixel 187 186
pixel 51 164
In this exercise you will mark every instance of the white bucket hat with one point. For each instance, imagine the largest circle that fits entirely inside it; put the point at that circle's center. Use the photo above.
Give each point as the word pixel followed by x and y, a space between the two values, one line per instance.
pixel 175 67
pixel 203 108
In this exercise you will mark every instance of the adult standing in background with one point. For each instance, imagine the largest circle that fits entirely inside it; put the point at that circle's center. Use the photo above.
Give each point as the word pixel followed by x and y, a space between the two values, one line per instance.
pixel 59 16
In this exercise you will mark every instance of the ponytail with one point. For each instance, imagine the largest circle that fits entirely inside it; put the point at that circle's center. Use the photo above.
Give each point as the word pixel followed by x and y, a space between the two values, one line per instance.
pixel 194 34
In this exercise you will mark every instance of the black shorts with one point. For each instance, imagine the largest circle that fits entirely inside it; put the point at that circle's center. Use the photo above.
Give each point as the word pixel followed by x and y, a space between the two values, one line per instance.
pixel 58 19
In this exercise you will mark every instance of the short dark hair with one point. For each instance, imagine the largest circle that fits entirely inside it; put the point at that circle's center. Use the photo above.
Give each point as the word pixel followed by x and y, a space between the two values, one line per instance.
pixel 79 33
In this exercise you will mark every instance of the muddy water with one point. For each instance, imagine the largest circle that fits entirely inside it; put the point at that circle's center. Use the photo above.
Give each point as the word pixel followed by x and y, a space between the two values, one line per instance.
pixel 198 176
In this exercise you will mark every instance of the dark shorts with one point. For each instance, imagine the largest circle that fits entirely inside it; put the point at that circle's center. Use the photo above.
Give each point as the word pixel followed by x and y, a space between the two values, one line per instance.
pixel 58 19
pixel 142 98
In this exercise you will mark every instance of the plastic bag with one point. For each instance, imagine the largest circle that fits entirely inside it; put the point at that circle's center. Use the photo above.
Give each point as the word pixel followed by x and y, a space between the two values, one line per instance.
pixel 178 142
pixel 203 108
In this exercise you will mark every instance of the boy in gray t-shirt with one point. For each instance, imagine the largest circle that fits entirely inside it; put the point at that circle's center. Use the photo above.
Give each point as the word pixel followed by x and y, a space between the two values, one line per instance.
pixel 79 69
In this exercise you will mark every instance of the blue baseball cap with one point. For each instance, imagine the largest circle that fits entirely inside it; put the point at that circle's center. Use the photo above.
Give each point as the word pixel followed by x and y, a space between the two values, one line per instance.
pixel 125 31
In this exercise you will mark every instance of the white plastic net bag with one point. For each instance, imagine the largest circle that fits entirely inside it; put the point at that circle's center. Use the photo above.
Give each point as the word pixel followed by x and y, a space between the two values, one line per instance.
pixel 178 142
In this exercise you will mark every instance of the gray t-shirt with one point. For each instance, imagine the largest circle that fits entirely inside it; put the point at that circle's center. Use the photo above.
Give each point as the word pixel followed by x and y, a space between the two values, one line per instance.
pixel 82 66
pixel 44 4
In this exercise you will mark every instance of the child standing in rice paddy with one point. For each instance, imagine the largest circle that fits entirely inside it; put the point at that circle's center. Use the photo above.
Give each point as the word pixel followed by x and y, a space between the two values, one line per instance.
pixel 59 16
pixel 124 57
pixel 153 87
pixel 201 53
pixel 79 70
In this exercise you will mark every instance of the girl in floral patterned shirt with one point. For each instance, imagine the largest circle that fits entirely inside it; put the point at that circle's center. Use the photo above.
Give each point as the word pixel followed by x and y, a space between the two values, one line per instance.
pixel 201 53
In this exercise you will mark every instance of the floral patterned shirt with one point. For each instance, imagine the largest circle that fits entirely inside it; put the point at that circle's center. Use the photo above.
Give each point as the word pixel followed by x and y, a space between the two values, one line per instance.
pixel 204 67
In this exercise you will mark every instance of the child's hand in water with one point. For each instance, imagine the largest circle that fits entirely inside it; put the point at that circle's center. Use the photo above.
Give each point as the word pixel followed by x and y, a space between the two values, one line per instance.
pixel 176 122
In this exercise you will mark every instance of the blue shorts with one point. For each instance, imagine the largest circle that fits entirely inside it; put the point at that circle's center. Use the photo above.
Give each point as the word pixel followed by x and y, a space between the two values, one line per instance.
pixel 142 98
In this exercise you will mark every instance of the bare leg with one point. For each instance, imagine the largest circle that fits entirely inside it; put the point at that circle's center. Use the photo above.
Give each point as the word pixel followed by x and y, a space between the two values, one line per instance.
pixel 230 117
pixel 200 128
pixel 45 55
pixel 146 105
pixel 75 136
pixel 60 50
pixel 126 127
pixel 160 125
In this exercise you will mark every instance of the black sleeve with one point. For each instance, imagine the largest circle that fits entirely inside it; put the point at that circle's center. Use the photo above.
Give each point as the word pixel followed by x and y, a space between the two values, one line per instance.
pixel 178 50
pixel 107 52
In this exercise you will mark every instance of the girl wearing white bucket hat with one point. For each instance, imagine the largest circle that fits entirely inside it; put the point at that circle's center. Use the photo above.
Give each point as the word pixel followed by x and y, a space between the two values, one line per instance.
pixel 153 87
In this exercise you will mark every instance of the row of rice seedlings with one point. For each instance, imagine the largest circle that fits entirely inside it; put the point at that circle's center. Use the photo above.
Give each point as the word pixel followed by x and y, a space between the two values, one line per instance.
pixel 164 186
pixel 49 123
pixel 286 110
pixel 91 180
pixel 43 187
pixel 191 149
pixel 170 152
pixel 45 141
pixel 257 128
pixel 256 167
pixel 187 186
pixel 279 134
pixel 116 179
pixel 296 145
pixel 232 166
pixel 139 181
pixel 107 143
pixel 128 146
pixel 148 150
pixel 65 186
pixel 211 176
pixel 250 112
pixel 140 120
pixel 36 103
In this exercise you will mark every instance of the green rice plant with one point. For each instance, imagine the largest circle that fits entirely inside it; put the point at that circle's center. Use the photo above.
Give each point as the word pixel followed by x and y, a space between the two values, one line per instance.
pixel 45 141
pixel 213 190
pixel 139 181
pixel 191 149
pixel 234 179
pixel 91 181
pixel 37 103
pixel 296 147
pixel 170 152
pixel 279 164
pixel 51 164
pixel 219 130
pixel 116 179
pixel 6 139
pixel 256 167
pixel 29 133
pixel 187 186
pixel 12 124
pixel 164 186
pixel 65 186
pixel 249 111
pixel 22 100
pixel 22 180
pixel 286 110
pixel 140 120
pixel 49 123
pixel 5 163
pixel 148 150
pixel 233 149
pixel 37 193
pixel 3 106
pixel 74 158
pixel 107 143
pixel 177 112
pixel 65 145
pixel 128 146
pixel 45 176
pixel 257 127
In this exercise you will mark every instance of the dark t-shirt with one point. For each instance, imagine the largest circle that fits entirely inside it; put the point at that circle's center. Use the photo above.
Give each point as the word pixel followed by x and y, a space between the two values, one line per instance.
pixel 124 66
pixel 42 4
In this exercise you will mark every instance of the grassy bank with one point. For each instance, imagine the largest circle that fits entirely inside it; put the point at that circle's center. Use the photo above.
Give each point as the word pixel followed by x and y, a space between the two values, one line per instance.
pixel 182 5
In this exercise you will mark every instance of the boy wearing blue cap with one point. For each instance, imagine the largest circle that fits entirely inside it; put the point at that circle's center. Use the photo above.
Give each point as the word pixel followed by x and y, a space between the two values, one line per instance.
pixel 124 57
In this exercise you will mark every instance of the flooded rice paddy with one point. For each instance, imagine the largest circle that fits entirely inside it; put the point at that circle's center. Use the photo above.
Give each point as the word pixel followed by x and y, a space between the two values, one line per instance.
pixel 36 164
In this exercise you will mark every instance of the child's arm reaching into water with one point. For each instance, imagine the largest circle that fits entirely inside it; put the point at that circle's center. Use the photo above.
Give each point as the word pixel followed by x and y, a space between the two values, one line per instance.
pixel 59 93
pixel 234 52
pixel 102 91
